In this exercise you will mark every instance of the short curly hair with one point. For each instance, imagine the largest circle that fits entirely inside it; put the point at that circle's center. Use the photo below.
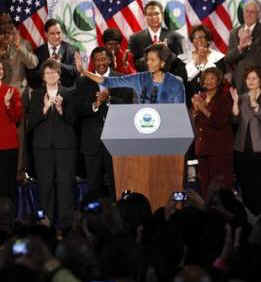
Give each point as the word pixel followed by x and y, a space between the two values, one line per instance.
pixel 52 64
pixel 250 69
pixel 215 71
pixel 200 28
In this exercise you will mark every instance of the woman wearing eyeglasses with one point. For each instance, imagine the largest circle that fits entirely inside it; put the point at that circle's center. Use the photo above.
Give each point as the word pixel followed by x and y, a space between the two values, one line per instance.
pixel 51 118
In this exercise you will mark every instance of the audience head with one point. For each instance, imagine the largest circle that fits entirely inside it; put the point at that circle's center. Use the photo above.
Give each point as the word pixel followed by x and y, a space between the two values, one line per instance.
pixel 251 12
pixel 101 220
pixel 53 32
pixel 135 210
pixel 112 39
pixel 121 259
pixel 102 59
pixel 253 78
pixel 153 11
pixel 200 36
pixel 158 57
pixel 76 254
pixel 50 71
pixel 211 79
pixel 192 273
pixel 29 251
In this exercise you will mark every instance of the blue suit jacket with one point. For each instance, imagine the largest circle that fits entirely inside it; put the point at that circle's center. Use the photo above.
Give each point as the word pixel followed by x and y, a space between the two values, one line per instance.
pixel 172 90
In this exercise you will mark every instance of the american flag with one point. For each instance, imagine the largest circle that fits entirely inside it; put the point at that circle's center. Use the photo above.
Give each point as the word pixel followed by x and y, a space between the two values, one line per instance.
pixel 215 15
pixel 125 15
pixel 29 17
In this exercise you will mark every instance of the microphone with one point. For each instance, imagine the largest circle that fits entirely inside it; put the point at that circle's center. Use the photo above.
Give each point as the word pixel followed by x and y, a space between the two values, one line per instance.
pixel 143 96
pixel 153 97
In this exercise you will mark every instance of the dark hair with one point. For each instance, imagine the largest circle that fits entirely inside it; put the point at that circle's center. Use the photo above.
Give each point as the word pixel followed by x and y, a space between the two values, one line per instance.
pixel 49 23
pixel 134 209
pixel 52 64
pixel 111 34
pixel 200 28
pixel 153 3
pixel 7 70
pixel 250 69
pixel 215 71
pixel 163 52
pixel 101 49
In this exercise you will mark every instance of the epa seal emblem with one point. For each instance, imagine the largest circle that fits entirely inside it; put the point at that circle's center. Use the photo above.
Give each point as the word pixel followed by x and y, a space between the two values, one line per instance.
pixel 147 120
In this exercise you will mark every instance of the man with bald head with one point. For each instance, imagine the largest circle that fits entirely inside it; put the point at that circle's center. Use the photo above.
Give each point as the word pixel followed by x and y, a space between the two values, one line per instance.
pixel 245 45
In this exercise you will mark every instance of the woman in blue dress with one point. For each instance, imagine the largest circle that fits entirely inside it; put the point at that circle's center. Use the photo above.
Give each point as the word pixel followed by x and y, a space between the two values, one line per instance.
pixel 156 85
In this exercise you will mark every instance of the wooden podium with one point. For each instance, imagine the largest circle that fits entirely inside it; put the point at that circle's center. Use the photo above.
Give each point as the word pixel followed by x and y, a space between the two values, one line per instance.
pixel 148 163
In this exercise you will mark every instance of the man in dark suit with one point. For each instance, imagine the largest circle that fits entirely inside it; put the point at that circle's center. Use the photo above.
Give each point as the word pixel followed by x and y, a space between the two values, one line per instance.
pixel 57 49
pixel 138 42
pixel 245 45
pixel 98 161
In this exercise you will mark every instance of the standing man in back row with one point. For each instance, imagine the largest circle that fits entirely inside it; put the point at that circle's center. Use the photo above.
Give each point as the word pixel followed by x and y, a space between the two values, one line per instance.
pixel 60 51
pixel 245 45
pixel 154 33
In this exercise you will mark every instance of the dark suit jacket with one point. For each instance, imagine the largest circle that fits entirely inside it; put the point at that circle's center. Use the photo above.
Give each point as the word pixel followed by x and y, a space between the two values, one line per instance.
pixel 214 135
pixel 249 56
pixel 52 129
pixel 69 72
pixel 92 122
pixel 139 41
pixel 249 118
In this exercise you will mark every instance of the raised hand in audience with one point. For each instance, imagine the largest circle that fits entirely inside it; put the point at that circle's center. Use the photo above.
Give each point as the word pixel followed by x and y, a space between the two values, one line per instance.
pixel 58 104
pixel 8 97
pixel 78 62
pixel 102 96
pixel 245 38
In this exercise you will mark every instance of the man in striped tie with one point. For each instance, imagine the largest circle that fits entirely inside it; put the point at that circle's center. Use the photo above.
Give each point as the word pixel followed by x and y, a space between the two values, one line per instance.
pixel 58 49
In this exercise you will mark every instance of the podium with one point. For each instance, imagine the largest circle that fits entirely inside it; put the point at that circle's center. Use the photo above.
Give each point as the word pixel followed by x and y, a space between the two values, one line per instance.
pixel 148 143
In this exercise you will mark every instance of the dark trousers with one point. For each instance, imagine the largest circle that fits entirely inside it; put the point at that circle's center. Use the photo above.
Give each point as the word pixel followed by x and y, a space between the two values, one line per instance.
pixel 55 168
pixel 248 173
pixel 215 169
pixel 8 169
pixel 99 172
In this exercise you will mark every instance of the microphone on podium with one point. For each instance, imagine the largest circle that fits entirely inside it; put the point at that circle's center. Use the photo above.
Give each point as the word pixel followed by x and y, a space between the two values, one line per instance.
pixel 154 93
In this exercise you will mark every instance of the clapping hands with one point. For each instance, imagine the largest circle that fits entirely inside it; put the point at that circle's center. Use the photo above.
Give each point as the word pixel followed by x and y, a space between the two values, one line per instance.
pixel 8 97
pixel 245 38
pixel 53 101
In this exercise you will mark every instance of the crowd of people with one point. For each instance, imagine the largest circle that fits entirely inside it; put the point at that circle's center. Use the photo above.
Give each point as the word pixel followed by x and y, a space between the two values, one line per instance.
pixel 52 113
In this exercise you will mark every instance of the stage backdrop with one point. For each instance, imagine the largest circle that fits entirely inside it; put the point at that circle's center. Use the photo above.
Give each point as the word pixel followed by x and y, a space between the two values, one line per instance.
pixel 83 21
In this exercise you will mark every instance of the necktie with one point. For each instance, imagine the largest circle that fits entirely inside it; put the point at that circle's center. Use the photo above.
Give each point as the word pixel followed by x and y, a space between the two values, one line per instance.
pixel 54 51
pixel 155 39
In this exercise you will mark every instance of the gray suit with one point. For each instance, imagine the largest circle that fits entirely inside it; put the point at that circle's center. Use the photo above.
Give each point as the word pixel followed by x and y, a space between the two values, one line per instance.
pixel 248 117
pixel 248 57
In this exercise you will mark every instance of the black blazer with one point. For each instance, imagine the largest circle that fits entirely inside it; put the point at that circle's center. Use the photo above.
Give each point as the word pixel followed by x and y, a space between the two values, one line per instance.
pixel 52 130
pixel 69 72
pixel 138 42
pixel 92 122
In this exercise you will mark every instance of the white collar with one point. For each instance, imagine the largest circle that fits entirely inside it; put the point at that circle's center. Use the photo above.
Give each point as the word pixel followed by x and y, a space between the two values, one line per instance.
pixel 152 33
pixel 50 48
pixel 106 74
pixel 250 27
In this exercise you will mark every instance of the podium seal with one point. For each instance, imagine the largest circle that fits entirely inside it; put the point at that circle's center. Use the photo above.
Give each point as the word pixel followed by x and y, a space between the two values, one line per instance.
pixel 147 120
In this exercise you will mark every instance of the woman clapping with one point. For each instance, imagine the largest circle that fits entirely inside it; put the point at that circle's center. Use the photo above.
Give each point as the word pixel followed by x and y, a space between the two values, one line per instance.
pixel 247 112
pixel 11 112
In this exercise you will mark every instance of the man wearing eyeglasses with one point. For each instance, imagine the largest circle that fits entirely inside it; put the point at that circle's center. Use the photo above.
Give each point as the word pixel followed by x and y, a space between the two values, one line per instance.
pixel 154 33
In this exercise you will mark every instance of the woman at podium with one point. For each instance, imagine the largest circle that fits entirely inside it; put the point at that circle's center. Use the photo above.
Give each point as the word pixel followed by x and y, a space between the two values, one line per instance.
pixel 212 112
pixel 156 85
